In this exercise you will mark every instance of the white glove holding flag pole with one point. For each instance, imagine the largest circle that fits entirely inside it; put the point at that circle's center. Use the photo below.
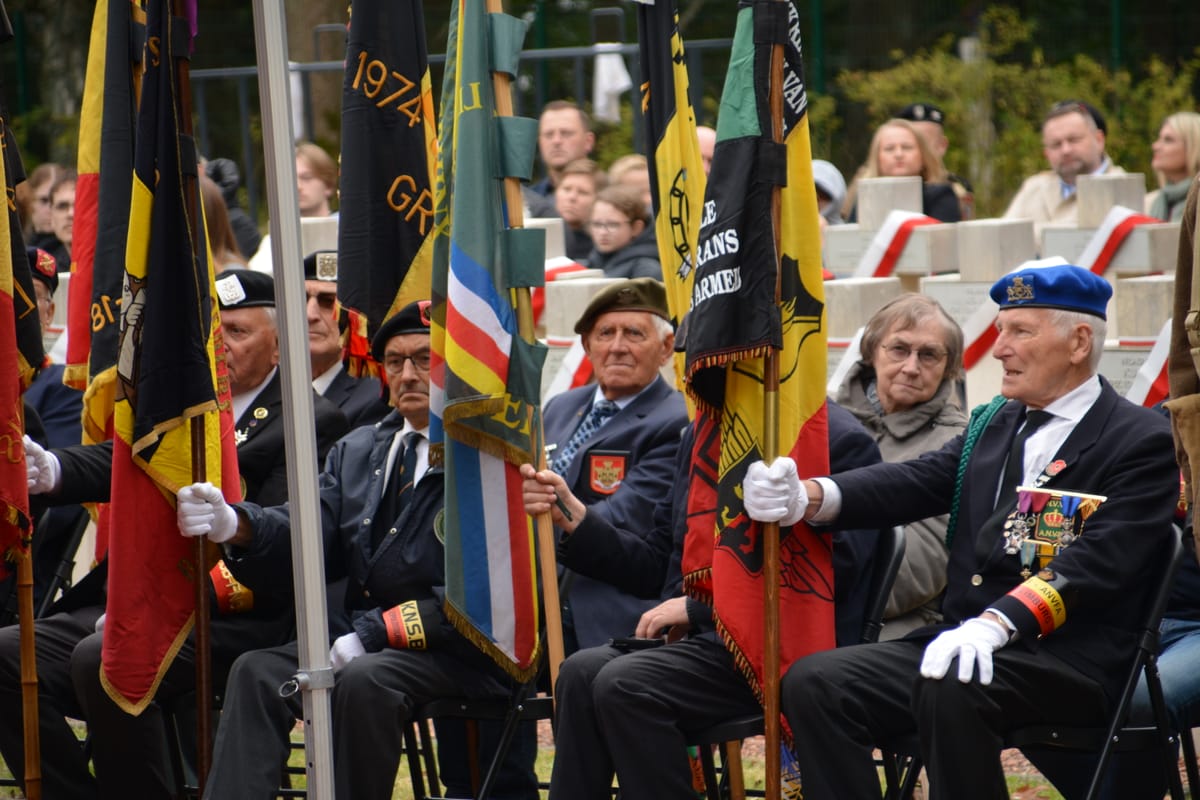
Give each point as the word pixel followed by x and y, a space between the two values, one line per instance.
pixel 42 470
pixel 973 643
pixel 774 493
pixel 345 649
pixel 202 511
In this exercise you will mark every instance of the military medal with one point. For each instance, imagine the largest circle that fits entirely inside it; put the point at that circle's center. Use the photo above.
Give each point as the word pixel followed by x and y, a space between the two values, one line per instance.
pixel 260 413
pixel 1051 520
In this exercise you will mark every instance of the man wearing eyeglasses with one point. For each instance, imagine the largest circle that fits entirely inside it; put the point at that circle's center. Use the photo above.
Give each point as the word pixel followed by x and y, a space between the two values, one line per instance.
pixel 1073 135
pixel 360 399
pixel 379 498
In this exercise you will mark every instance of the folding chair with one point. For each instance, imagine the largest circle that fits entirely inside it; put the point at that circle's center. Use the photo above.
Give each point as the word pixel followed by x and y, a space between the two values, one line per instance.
pixel 905 760
pixel 523 706
pixel 889 553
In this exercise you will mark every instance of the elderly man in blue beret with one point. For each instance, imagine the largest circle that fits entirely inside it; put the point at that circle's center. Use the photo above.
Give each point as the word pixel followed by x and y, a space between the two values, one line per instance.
pixel 1039 622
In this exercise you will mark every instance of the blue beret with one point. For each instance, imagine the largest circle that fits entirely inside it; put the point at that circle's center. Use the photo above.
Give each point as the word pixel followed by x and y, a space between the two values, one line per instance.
pixel 413 318
pixel 1062 286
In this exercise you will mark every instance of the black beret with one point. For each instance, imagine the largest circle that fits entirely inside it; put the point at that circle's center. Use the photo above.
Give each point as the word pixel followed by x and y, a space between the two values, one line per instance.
pixel 413 318
pixel 321 265
pixel 43 267
pixel 245 288
pixel 635 294
pixel 922 112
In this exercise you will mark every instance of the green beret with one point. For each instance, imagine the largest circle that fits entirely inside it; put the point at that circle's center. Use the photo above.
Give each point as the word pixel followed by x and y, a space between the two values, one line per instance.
pixel 635 294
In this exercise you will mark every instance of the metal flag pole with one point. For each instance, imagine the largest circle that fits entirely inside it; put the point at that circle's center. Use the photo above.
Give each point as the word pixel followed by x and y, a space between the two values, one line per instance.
pixel 315 677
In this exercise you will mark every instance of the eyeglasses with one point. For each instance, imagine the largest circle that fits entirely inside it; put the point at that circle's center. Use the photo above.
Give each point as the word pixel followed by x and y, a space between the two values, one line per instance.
pixel 394 364
pixel 607 227
pixel 898 353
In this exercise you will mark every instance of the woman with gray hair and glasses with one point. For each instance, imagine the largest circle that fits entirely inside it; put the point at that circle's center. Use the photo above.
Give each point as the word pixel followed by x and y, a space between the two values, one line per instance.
pixel 904 390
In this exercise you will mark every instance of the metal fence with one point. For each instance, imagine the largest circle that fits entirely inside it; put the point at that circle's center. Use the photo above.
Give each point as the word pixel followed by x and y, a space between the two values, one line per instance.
pixel 544 75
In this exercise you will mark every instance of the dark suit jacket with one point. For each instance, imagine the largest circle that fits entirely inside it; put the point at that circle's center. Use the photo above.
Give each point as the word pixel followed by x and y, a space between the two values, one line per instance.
pixel 360 399
pixel 647 559
pixel 261 433
pixel 645 435
pixel 59 406
pixel 86 474
pixel 1106 578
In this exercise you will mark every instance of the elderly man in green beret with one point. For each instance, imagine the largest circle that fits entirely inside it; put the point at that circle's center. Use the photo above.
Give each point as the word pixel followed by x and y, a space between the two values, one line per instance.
pixel 612 457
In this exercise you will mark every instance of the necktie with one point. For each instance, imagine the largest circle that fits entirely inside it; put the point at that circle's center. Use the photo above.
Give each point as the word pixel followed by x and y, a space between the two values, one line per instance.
pixel 1014 468
pixel 601 411
pixel 408 470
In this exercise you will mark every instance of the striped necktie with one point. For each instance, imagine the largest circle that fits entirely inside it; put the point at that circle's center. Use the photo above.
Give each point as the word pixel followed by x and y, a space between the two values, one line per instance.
pixel 602 411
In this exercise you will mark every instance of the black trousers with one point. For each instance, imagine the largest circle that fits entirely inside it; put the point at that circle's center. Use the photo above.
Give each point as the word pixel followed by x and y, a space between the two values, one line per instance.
pixel 626 713
pixel 64 769
pixel 252 739
pixel 842 703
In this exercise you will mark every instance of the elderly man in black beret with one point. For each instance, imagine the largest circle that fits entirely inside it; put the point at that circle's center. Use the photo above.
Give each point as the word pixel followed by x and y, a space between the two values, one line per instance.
pixel 1044 598
pixel 379 498
pixel 129 752
pixel 360 399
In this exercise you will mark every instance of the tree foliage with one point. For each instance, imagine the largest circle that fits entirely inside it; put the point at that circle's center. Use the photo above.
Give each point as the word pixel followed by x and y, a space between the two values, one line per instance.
pixel 994 101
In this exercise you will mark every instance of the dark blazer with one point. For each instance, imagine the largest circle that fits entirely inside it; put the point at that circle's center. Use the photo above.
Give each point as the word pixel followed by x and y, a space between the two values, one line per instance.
pixel 1118 450
pixel 647 559
pixel 645 436
pixel 59 406
pixel 87 472
pixel 360 399
pixel 408 563
pixel 261 432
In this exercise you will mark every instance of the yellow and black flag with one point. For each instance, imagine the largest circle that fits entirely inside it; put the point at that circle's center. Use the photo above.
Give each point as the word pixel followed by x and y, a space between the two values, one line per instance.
pixel 389 148
pixel 105 164
pixel 168 375
pixel 677 177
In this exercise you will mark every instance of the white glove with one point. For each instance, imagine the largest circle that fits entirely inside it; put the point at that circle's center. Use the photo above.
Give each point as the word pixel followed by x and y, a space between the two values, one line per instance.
pixel 775 493
pixel 100 623
pixel 973 642
pixel 201 510
pixel 42 471
pixel 345 649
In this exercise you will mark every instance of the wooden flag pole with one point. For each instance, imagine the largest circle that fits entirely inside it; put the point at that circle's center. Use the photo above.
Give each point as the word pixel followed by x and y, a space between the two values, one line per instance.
pixel 770 445
pixel 547 559
pixel 203 646
pixel 29 680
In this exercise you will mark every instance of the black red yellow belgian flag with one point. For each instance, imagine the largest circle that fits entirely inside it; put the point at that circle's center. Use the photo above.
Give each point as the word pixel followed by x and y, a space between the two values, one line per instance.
pixel 677 177
pixel 735 319
pixel 389 149
pixel 106 129
pixel 168 375
pixel 20 355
